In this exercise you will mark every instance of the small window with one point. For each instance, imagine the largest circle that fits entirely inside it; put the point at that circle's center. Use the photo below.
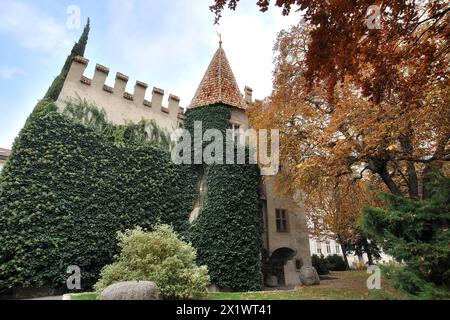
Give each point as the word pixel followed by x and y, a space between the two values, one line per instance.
pixel 236 131
pixel 319 248
pixel 328 247
pixel 298 264
pixel 282 222
pixel 338 249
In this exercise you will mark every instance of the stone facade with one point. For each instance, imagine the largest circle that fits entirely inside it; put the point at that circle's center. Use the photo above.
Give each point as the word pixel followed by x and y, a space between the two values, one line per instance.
pixel 290 246
pixel 120 106
pixel 287 249
pixel 4 155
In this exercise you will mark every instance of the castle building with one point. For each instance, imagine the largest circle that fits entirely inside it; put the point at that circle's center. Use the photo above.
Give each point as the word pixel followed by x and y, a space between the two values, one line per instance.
pixel 285 237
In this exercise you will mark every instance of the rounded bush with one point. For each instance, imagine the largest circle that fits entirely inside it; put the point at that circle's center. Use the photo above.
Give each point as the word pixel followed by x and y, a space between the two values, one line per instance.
pixel 335 263
pixel 160 257
pixel 320 264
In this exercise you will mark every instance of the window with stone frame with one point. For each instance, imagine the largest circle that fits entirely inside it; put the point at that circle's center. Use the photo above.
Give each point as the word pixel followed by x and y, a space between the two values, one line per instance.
pixel 236 131
pixel 338 248
pixel 282 220
pixel 328 246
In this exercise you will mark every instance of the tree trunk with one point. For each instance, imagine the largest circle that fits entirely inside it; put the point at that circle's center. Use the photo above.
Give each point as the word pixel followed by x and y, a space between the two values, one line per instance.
pixel 366 246
pixel 387 179
pixel 344 253
pixel 378 166
pixel 413 185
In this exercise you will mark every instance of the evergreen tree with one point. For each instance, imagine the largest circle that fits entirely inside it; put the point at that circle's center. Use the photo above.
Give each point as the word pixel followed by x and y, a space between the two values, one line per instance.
pixel 78 50
pixel 415 232
pixel 47 103
pixel 362 245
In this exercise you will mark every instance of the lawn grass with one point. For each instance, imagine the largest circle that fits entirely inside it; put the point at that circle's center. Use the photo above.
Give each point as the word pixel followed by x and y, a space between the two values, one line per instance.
pixel 311 293
pixel 84 296
pixel 348 285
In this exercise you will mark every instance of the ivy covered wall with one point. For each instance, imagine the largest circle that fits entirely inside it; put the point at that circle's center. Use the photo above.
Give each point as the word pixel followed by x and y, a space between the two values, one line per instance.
pixel 65 192
pixel 69 186
pixel 228 231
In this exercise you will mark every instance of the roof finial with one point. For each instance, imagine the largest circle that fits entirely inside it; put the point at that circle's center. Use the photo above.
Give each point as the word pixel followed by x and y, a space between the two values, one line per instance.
pixel 220 39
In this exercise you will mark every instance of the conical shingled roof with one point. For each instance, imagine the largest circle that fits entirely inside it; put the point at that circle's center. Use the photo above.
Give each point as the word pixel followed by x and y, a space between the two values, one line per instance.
pixel 218 85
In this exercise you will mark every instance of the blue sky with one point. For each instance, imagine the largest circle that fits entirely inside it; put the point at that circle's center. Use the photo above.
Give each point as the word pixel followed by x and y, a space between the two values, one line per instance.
pixel 165 43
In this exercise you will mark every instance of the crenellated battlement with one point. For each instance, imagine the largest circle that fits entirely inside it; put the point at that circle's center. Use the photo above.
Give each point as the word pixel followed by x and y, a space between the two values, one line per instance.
pixel 121 106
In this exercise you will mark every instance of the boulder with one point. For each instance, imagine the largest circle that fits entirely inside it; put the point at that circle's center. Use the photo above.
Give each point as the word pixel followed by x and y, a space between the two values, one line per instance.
pixel 212 288
pixel 272 281
pixel 131 290
pixel 309 276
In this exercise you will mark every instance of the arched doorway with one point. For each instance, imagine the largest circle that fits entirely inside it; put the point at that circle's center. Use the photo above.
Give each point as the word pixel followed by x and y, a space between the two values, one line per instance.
pixel 277 262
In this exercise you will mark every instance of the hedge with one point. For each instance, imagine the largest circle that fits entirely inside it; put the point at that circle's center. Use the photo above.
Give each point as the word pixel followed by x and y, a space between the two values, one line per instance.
pixel 65 193
pixel 228 231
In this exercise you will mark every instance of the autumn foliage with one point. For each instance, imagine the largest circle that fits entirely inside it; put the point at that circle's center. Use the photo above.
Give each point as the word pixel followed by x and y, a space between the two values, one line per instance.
pixel 351 100
pixel 360 108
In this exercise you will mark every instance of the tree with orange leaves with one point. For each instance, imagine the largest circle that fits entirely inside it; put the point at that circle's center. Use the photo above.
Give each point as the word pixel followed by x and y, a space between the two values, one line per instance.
pixel 330 144
pixel 394 140
pixel 357 103
pixel 364 100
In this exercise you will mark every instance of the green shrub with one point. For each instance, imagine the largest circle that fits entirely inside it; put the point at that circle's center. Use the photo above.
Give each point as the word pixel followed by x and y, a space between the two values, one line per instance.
pixel 320 264
pixel 67 190
pixel 335 263
pixel 404 280
pixel 161 257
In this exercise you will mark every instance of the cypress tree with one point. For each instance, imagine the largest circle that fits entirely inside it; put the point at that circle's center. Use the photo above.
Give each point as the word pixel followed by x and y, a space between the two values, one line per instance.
pixel 47 103
pixel 78 50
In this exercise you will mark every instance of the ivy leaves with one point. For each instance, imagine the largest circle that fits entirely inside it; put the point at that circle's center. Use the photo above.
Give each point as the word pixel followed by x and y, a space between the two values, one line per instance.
pixel 67 190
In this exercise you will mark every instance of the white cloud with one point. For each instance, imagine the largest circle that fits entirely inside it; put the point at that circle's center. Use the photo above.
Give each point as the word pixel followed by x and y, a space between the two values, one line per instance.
pixel 7 72
pixel 177 44
pixel 161 44
pixel 31 28
pixel 249 38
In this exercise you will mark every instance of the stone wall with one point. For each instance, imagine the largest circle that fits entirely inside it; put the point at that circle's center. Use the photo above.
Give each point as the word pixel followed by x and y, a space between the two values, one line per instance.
pixel 296 237
pixel 120 106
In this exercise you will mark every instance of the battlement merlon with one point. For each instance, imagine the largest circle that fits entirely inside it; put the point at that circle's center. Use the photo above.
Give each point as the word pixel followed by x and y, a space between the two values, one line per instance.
pixel 116 100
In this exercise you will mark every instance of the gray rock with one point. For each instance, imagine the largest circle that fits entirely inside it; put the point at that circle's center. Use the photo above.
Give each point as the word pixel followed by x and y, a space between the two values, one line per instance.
pixel 212 288
pixel 131 290
pixel 309 276
pixel 272 281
